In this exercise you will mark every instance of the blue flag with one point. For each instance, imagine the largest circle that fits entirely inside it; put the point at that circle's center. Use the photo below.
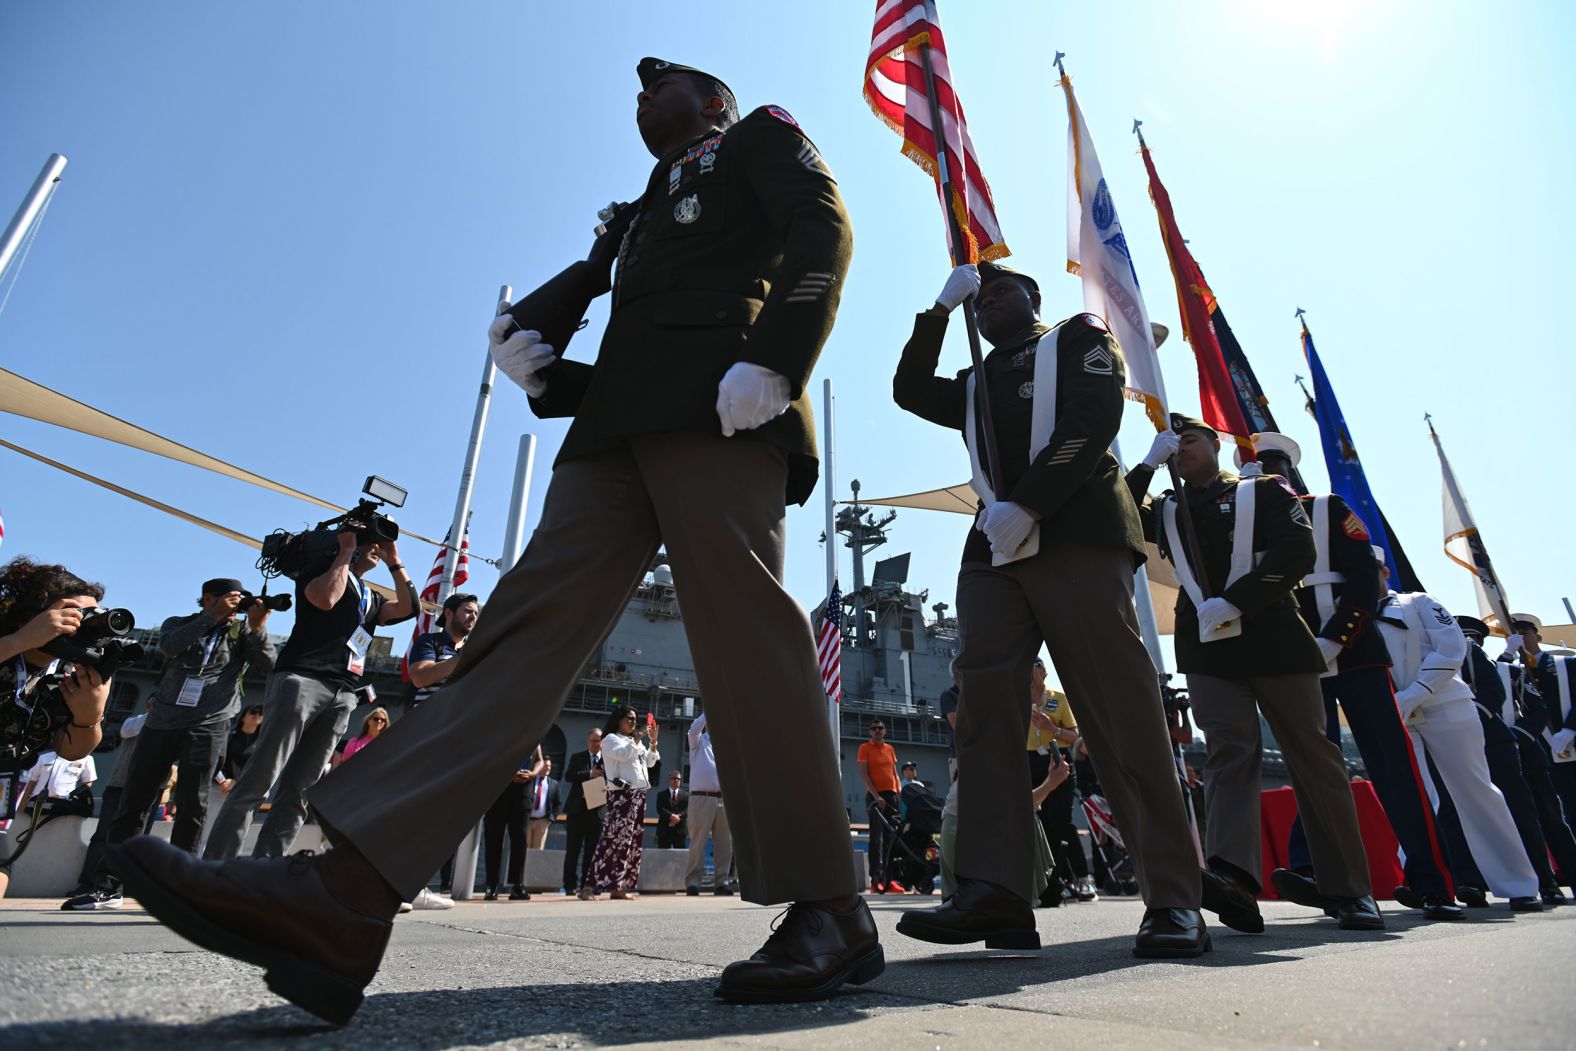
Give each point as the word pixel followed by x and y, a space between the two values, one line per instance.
pixel 1340 457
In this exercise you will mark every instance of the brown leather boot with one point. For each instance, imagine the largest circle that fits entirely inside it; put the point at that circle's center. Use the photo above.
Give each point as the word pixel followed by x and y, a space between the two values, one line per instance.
pixel 316 923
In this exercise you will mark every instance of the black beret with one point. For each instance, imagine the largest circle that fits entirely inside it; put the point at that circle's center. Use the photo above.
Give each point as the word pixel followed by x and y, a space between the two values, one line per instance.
pixel 649 69
pixel 991 271
pixel 1180 423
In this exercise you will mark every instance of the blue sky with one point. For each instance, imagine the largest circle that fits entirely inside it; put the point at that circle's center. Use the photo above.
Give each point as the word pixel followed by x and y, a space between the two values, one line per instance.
pixel 283 226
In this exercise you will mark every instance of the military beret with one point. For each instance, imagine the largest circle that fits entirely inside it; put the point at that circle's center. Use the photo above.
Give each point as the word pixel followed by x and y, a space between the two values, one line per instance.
pixel 1518 619
pixel 1180 423
pixel 1473 626
pixel 1271 442
pixel 992 271
pixel 221 586
pixel 649 69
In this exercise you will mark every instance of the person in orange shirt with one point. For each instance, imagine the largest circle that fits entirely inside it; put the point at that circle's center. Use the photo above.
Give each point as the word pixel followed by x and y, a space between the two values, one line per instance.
pixel 878 770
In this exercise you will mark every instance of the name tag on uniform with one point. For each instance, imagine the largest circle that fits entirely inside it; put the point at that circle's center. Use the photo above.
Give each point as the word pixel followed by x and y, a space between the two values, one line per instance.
pixel 358 650
pixel 191 692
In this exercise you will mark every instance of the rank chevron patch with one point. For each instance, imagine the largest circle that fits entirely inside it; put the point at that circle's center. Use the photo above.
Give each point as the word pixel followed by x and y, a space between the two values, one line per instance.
pixel 1098 361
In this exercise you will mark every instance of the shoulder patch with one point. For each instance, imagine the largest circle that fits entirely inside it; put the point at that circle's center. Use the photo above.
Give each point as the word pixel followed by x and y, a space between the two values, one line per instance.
pixel 1094 322
pixel 1098 361
pixel 1354 528
pixel 1442 616
pixel 782 115
pixel 1284 484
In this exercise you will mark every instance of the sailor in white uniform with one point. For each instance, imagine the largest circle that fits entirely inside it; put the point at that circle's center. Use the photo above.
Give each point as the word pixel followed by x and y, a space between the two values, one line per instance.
pixel 1426 650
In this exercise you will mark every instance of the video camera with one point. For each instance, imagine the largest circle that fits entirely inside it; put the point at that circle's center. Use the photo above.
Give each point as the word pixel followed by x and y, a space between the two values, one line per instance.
pixel 307 554
pixel 30 722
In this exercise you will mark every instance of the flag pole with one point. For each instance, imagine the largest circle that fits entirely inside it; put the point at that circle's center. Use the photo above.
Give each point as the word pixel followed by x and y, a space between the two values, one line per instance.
pixel 829 487
pixel 960 250
pixel 473 454
pixel 1195 554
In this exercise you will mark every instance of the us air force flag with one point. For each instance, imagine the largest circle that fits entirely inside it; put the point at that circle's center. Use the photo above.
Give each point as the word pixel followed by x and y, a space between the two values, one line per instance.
pixel 1097 252
pixel 1340 456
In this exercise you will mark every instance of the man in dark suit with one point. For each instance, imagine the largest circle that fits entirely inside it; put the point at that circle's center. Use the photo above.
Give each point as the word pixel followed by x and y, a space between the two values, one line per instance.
pixel 692 430
pixel 672 809
pixel 582 824
pixel 544 807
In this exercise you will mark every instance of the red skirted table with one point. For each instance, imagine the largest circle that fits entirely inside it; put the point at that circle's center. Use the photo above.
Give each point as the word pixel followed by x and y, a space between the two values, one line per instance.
pixel 1278 809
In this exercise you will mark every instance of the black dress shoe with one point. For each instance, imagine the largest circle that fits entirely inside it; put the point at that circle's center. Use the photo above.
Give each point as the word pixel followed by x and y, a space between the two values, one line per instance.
pixel 1553 897
pixel 979 911
pixel 693 892
pixel 1408 898
pixel 1439 907
pixel 724 890
pixel 1525 905
pixel 1231 902
pixel 1358 914
pixel 491 895
pixel 813 951
pixel 1472 897
pixel 1171 934
pixel 519 894
pixel 1295 887
pixel 319 942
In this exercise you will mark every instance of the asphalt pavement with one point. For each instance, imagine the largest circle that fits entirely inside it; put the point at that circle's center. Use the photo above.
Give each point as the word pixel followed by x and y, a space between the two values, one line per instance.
pixel 559 973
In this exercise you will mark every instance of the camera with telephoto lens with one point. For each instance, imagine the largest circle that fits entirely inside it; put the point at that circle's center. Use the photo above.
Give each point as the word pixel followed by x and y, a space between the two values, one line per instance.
pixel 307 554
pixel 276 603
pixel 30 722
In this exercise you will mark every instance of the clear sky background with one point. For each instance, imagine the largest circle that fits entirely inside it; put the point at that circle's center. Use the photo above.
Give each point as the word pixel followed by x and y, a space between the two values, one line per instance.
pixel 283 227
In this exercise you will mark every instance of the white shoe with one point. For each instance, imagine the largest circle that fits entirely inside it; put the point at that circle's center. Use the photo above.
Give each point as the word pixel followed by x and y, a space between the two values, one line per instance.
pixel 431 899
pixel 405 907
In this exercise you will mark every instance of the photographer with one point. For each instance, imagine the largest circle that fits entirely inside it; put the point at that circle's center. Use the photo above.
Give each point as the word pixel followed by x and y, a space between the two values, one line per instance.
pixel 39 604
pixel 205 655
pixel 311 693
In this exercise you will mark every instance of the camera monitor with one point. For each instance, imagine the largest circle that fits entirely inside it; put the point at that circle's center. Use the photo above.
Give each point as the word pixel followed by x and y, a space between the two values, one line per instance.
pixel 383 490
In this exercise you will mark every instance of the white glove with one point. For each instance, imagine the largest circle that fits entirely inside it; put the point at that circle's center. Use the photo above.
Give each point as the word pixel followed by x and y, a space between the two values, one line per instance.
pixel 1514 643
pixel 1408 701
pixel 521 356
pixel 1251 469
pixel 1561 742
pixel 963 282
pixel 1215 612
pixel 1007 526
pixel 1163 449
pixel 750 395
pixel 1330 648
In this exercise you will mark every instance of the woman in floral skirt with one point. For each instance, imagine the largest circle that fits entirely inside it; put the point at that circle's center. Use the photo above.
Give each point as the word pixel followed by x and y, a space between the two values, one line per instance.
pixel 627 751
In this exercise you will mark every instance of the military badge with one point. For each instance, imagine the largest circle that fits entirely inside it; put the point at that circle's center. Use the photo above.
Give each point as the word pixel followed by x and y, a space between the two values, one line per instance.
pixel 674 174
pixel 688 209
pixel 1021 359
pixel 1026 390
pixel 1098 361
pixel 708 161
pixel 782 115
pixel 1354 528
pixel 1284 484
pixel 1094 322
pixel 1442 616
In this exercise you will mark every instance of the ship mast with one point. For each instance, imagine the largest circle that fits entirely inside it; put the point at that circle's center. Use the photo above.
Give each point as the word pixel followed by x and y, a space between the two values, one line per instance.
pixel 864 532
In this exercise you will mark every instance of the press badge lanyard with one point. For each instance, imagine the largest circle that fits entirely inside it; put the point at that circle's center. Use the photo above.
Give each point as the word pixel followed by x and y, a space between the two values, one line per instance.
pixel 358 642
pixel 191 689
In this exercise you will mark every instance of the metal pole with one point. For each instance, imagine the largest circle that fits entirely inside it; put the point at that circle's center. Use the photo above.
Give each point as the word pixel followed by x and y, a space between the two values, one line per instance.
pixel 514 531
pixel 465 853
pixel 960 242
pixel 43 186
pixel 473 453
pixel 1147 626
pixel 829 485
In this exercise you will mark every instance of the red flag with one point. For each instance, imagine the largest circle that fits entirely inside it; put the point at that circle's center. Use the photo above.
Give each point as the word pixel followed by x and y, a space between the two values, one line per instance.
pixel 1217 397
pixel 429 593
pixel 895 89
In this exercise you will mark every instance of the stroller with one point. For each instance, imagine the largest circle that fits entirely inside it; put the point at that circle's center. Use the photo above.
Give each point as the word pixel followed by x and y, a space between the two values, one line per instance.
pixel 914 848
pixel 1110 852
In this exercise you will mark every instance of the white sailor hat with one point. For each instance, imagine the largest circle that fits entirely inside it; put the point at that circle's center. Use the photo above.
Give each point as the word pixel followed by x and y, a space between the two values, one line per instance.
pixel 1271 442
pixel 1526 618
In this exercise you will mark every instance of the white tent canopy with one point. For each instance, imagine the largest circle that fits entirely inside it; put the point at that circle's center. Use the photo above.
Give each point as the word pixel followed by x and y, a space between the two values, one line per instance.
pixel 961 500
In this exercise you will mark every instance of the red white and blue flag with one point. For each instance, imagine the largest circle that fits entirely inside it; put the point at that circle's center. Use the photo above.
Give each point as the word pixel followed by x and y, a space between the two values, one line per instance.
pixel 429 594
pixel 829 647
pixel 895 89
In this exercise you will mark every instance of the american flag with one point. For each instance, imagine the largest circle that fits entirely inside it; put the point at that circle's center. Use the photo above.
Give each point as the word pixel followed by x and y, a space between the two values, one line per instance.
pixel 429 593
pixel 895 89
pixel 829 648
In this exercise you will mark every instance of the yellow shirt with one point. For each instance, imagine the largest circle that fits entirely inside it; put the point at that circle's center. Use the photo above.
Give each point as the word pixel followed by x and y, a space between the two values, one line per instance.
pixel 1056 705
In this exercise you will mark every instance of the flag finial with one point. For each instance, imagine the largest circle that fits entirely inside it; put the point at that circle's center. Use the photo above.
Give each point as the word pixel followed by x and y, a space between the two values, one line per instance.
pixel 1058 62
pixel 1137 124
pixel 1300 313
